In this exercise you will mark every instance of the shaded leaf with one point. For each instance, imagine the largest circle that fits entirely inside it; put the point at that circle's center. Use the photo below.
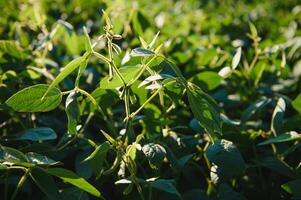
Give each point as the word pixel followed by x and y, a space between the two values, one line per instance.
pixel 73 112
pixel 72 178
pixel 204 109
pixel 293 187
pixel 155 154
pixel 38 134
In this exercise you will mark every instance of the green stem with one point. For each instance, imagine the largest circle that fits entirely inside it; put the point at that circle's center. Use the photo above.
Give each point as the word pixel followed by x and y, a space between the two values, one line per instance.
pixel 20 184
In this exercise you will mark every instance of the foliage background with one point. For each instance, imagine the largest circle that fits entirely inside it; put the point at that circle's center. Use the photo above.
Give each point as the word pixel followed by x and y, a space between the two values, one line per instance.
pixel 201 38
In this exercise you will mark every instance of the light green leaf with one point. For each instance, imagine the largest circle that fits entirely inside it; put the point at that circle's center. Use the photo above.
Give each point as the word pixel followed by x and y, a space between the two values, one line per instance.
pixel 30 99
pixel 68 69
pixel 297 103
pixel 128 74
pixel 73 112
pixel 257 71
pixel 204 109
pixel 72 178
pixel 207 80
pixel 12 48
pixel 285 137
pixel 226 157
pixel 37 134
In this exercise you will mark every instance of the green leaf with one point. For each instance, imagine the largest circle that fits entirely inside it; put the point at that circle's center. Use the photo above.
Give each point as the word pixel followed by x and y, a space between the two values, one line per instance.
pixel 278 116
pixel 204 109
pixel 225 192
pixel 8 154
pixel 226 157
pixel 155 154
pixel 45 182
pixel 254 107
pixel 73 112
pixel 72 178
pixel 12 48
pixel 73 194
pixel 297 103
pixel 128 74
pixel 30 99
pixel 166 186
pixel 68 69
pixel 141 52
pixel 207 80
pixel 98 156
pixel 88 44
pixel 285 137
pixel 257 71
pixel 293 187
pixel 39 159
pixel 276 165
pixel 37 134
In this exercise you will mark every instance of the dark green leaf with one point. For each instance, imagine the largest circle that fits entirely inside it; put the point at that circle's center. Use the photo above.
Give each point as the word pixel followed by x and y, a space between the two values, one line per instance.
pixel 278 115
pixel 30 99
pixel 254 107
pixel 293 187
pixel 166 186
pixel 73 112
pixel 45 182
pixel 39 159
pixel 207 80
pixel 155 153
pixel 204 109
pixel 37 134
pixel 226 157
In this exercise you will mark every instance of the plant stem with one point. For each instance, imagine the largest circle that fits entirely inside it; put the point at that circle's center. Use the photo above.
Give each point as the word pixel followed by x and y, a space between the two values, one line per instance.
pixel 20 184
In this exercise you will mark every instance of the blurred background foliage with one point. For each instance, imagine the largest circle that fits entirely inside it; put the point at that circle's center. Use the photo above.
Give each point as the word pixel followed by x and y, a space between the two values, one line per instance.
pixel 201 37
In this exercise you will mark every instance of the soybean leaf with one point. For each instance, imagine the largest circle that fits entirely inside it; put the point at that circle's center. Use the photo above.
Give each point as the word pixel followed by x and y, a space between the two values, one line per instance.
pixel 98 156
pixel 73 194
pixel 293 187
pixel 278 115
pixel 276 165
pixel 166 186
pixel 225 72
pixel 254 107
pixel 68 69
pixel 225 192
pixel 128 74
pixel 73 112
pixel 297 103
pixel 226 157
pixel 37 134
pixel 12 48
pixel 155 154
pixel 236 58
pixel 204 109
pixel 30 99
pixel 257 71
pixel 39 159
pixel 141 52
pixel 195 194
pixel 72 178
pixel 45 182
pixel 88 44
pixel 8 154
pixel 285 137
pixel 207 80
